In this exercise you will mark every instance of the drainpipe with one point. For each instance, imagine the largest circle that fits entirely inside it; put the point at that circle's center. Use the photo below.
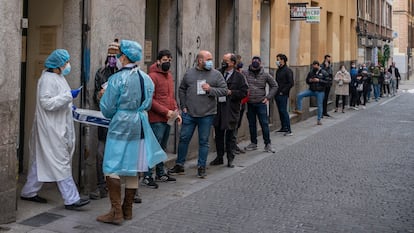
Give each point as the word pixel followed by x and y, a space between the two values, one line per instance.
pixel 84 103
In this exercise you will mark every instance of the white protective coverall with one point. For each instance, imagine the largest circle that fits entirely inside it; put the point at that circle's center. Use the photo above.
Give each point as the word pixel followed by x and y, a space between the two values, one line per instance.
pixel 52 142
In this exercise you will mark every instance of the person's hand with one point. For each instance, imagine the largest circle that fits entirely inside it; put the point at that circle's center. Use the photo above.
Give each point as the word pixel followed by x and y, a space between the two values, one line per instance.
pixel 179 120
pixel 100 94
pixel 229 92
pixel 206 87
pixel 265 100
pixel 170 114
pixel 75 93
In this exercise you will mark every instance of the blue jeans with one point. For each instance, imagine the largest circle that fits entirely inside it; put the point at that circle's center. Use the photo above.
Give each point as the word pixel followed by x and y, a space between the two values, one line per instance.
pixel 187 130
pixel 259 110
pixel 376 91
pixel 162 132
pixel 319 98
pixel 281 103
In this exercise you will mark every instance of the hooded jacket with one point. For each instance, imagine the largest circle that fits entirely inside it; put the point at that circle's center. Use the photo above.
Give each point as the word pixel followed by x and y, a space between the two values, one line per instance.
pixel 163 99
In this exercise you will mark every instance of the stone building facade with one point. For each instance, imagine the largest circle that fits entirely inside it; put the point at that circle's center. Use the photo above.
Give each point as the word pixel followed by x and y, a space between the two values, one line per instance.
pixel 403 33
pixel 374 29
pixel 86 27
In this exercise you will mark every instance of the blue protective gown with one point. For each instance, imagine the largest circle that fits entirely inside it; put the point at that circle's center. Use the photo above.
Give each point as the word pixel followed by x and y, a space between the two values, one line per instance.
pixel 122 103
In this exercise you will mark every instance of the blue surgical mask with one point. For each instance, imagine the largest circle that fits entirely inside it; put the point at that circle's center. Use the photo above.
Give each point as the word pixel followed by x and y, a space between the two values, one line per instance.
pixel 118 64
pixel 66 71
pixel 277 63
pixel 208 65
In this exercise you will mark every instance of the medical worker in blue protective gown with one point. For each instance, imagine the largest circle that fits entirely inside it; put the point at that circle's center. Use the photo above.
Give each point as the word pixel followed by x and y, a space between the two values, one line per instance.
pixel 131 146
pixel 52 142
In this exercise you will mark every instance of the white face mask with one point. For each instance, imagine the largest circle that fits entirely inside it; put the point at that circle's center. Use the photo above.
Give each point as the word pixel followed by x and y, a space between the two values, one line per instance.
pixel 343 69
pixel 118 64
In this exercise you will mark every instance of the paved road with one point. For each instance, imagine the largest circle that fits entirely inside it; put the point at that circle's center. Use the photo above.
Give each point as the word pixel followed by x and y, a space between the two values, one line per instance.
pixel 353 174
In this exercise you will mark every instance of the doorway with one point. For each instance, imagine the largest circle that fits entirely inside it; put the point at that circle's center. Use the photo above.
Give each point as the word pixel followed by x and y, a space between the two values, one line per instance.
pixel 44 34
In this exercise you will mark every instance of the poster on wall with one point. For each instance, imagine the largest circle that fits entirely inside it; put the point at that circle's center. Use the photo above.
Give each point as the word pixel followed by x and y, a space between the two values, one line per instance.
pixel 47 39
pixel 313 14
pixel 297 11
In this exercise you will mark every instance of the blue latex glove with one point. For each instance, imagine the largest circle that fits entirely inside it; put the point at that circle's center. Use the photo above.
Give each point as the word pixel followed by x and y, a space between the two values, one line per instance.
pixel 73 107
pixel 75 93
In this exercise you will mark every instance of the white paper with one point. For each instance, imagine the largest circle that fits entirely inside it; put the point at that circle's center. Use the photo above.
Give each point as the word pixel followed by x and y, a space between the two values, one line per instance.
pixel 222 99
pixel 200 90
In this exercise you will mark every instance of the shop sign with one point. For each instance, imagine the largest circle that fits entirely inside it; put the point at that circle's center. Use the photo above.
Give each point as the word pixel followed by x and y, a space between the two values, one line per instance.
pixel 313 14
pixel 297 11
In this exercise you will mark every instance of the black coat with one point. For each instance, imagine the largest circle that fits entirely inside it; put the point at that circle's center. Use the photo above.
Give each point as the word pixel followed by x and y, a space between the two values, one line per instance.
pixel 284 79
pixel 228 112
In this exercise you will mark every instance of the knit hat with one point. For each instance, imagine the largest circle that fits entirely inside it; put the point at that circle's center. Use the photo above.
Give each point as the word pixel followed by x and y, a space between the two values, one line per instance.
pixel 113 48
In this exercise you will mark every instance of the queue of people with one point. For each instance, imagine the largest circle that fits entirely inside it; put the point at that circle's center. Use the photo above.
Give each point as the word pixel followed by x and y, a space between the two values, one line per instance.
pixel 142 109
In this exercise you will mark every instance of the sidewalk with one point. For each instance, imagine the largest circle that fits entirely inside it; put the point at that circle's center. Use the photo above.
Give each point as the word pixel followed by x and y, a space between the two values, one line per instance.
pixel 54 218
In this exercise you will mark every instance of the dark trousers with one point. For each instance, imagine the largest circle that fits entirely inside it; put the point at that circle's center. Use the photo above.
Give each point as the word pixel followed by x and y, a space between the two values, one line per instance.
pixel 325 100
pixel 281 103
pixel 354 97
pixel 225 142
pixel 343 101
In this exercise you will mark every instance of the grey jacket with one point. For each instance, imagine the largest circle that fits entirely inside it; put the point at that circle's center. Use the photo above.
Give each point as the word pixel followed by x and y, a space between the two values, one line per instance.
pixel 257 85
pixel 205 104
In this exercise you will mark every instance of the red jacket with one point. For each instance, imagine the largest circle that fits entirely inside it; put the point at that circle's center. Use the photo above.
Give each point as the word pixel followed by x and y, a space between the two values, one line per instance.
pixel 163 98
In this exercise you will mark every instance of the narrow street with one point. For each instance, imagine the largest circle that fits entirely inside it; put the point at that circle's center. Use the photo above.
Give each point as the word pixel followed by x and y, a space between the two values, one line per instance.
pixel 355 173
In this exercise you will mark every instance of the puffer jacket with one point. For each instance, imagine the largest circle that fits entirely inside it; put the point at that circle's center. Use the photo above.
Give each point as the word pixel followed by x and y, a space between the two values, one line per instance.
pixel 257 80
pixel 164 98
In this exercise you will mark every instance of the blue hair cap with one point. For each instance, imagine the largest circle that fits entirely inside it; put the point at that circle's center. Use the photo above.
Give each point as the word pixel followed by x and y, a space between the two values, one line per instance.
pixel 131 49
pixel 57 58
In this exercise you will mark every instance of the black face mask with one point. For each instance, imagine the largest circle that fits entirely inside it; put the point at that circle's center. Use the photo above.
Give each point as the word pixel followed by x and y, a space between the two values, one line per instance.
pixel 224 65
pixel 315 70
pixel 240 65
pixel 165 66
pixel 255 64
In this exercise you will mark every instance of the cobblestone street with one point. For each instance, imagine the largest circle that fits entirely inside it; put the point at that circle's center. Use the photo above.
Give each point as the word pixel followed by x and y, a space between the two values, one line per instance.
pixel 355 173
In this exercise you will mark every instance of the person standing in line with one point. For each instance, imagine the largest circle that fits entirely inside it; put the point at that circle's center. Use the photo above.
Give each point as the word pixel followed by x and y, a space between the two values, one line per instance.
pixel 131 146
pixel 284 78
pixel 239 67
pixel 101 77
pixel 326 65
pixel 381 79
pixel 164 109
pixel 386 86
pixel 52 141
pixel 317 79
pixel 395 75
pixel 342 80
pixel 257 79
pixel 200 87
pixel 353 93
pixel 228 110
pixel 375 74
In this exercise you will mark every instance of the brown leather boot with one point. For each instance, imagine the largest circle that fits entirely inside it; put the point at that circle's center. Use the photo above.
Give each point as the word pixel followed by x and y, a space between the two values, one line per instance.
pixel 115 215
pixel 128 201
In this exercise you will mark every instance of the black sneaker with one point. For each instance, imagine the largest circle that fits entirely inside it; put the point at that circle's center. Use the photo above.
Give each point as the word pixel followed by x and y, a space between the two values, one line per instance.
pixel 148 181
pixel 137 198
pixel 176 170
pixel 34 199
pixel 165 178
pixel 77 204
pixel 201 172
pixel 282 131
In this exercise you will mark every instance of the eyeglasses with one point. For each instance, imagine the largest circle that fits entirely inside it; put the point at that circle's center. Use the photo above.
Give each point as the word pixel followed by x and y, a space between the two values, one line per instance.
pixel 119 55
